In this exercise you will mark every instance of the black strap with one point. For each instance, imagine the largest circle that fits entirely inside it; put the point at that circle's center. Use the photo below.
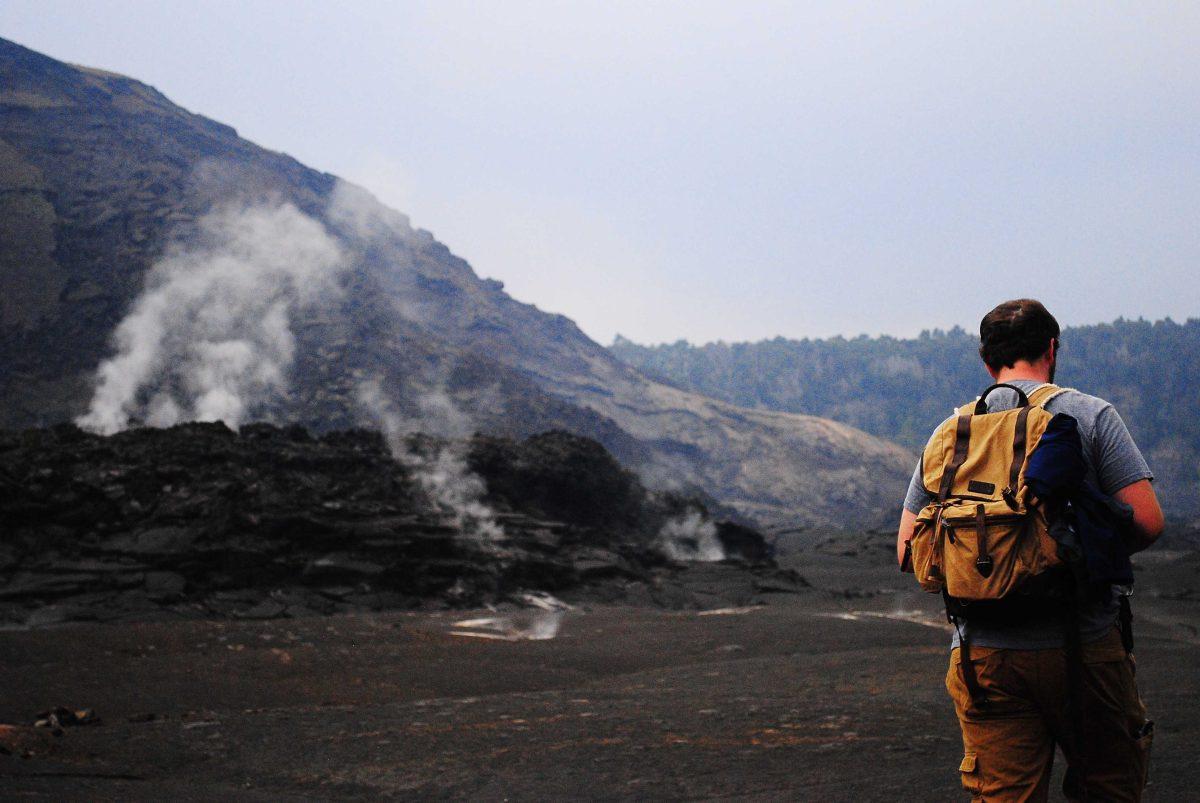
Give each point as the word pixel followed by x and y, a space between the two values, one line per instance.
pixel 962 442
pixel 1125 620
pixel 1020 440
pixel 967 666
pixel 981 405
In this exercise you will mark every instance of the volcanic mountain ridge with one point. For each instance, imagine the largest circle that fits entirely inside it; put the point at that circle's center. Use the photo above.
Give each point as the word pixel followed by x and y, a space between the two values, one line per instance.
pixel 102 178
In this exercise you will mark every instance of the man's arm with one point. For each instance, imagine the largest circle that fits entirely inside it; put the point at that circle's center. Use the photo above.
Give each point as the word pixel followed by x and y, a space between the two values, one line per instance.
pixel 908 521
pixel 1147 515
pixel 918 496
pixel 1124 476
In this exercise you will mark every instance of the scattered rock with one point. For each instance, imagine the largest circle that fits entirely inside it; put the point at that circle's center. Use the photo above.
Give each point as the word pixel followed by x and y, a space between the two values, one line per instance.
pixel 58 718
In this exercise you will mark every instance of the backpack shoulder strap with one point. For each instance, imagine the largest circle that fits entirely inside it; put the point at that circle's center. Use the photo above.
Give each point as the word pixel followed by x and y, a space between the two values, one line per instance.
pixel 1042 394
pixel 1038 397
pixel 962 446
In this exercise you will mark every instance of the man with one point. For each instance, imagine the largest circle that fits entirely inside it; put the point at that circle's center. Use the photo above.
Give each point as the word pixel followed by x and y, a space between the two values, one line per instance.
pixel 1009 744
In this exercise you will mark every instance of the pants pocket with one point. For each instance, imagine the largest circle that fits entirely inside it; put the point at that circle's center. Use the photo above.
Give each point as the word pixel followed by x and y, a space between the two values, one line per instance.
pixel 968 770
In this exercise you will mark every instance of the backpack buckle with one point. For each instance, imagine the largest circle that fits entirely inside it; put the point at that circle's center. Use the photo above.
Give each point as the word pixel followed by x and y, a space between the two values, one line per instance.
pixel 1010 496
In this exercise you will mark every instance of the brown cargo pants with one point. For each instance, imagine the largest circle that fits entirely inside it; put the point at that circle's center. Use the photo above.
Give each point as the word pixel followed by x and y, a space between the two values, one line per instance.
pixel 1008 745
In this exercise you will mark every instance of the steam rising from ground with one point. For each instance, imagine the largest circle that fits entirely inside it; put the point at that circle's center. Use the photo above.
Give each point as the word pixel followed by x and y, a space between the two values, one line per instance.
pixel 540 622
pixel 448 482
pixel 691 537
pixel 444 476
pixel 521 626
pixel 210 337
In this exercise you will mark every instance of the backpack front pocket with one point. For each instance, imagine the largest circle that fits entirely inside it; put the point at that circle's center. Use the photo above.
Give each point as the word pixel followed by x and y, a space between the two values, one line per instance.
pixel 981 550
pixel 926 562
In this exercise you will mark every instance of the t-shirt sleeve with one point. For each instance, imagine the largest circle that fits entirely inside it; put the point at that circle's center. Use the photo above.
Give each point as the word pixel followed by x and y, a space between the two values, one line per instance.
pixel 1118 460
pixel 918 496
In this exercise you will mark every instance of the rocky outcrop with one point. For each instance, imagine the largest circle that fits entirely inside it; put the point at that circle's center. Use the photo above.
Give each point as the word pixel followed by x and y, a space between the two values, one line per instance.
pixel 199 520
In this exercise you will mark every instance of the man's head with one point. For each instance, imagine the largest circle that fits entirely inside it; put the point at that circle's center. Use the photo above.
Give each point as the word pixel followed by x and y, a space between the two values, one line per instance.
pixel 1019 331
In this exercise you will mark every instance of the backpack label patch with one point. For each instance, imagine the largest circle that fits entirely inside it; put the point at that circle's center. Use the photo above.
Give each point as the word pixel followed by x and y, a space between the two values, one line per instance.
pixel 977 487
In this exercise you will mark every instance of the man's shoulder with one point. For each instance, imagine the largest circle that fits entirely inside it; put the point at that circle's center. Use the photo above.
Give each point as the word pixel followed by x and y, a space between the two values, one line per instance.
pixel 1078 404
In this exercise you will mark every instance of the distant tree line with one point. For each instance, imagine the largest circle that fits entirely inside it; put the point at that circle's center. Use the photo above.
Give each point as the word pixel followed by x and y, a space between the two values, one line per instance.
pixel 900 389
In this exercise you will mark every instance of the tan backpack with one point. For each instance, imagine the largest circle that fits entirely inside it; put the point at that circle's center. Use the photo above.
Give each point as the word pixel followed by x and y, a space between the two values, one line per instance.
pixel 982 539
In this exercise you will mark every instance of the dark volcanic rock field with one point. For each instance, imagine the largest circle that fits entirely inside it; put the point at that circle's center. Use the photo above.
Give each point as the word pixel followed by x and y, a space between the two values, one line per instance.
pixel 201 521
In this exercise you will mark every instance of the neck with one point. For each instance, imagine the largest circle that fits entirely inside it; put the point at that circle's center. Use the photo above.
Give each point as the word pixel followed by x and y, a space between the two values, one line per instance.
pixel 1024 370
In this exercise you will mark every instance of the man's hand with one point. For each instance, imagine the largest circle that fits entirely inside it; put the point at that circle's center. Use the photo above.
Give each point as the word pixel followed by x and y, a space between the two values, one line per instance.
pixel 1147 515
pixel 908 521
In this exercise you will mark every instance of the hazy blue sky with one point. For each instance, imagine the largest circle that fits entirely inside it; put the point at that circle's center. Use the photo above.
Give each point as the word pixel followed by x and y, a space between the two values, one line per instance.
pixel 732 170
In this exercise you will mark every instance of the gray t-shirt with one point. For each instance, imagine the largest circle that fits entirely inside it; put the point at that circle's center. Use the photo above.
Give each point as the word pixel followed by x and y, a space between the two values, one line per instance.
pixel 1113 462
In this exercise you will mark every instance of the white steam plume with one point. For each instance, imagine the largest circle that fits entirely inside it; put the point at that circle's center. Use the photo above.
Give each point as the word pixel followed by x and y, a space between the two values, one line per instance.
pixel 362 215
pixel 448 481
pixel 445 478
pixel 691 538
pixel 210 336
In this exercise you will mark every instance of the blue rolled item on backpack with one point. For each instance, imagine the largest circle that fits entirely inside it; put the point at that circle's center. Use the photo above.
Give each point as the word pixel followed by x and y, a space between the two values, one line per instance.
pixel 1057 472
pixel 1056 468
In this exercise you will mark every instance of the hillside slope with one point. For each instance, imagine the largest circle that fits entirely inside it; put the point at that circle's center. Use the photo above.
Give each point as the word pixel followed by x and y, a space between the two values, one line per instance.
pixel 900 389
pixel 112 197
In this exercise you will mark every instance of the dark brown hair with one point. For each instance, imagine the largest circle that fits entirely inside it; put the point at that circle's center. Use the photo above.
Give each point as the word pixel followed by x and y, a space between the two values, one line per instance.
pixel 1020 329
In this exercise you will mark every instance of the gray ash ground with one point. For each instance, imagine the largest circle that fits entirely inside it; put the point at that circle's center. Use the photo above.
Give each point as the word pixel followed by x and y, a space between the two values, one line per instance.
pixel 740 692
pixel 812 697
